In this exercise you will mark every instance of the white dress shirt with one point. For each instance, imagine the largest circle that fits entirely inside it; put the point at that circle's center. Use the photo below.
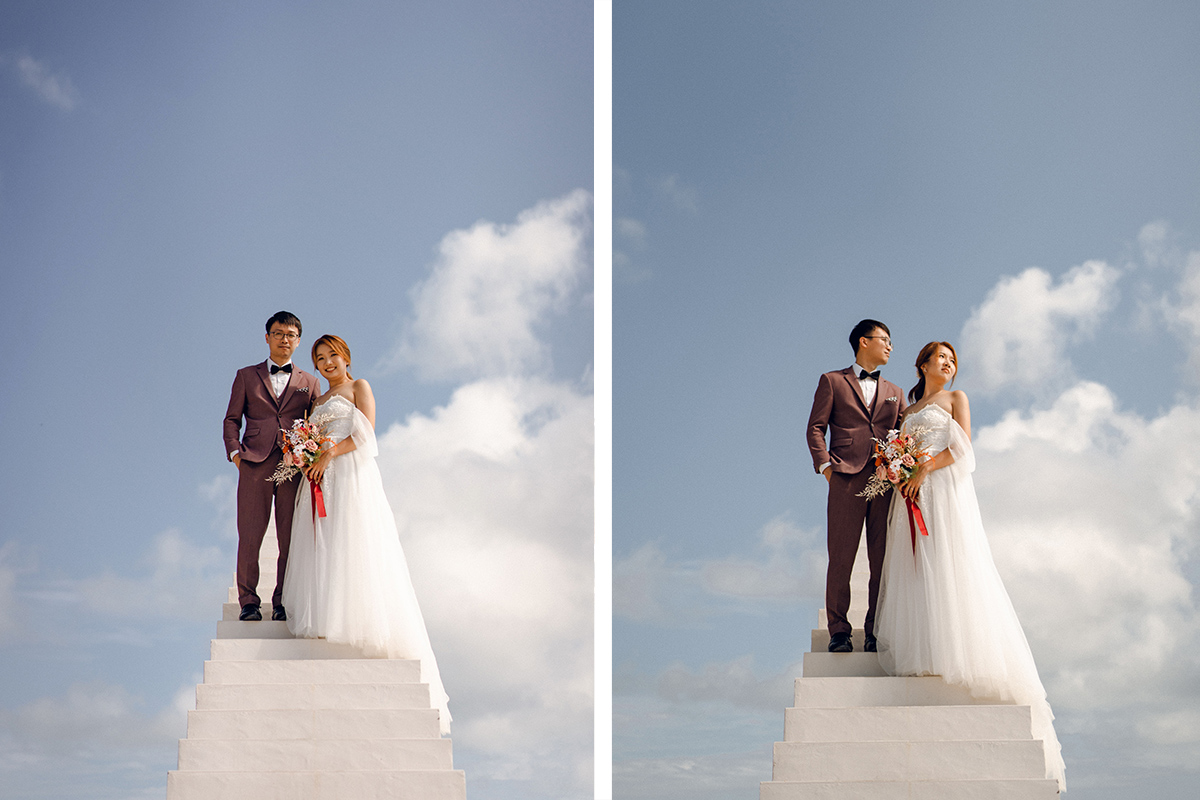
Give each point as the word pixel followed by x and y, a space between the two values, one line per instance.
pixel 279 380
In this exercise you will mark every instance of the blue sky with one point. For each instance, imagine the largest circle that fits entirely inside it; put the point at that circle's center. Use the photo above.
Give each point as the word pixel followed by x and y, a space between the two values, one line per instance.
pixel 173 174
pixel 1016 178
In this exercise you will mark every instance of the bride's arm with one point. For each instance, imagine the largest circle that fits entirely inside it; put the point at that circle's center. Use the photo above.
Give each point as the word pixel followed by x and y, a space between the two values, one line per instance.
pixel 960 409
pixel 364 399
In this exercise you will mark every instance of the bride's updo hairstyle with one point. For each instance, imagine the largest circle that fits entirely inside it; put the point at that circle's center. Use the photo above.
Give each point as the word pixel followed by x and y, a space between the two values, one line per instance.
pixel 338 345
pixel 928 352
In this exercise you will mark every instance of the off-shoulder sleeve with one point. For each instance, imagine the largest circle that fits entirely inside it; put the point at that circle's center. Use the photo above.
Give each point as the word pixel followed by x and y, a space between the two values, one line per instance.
pixel 960 447
pixel 364 435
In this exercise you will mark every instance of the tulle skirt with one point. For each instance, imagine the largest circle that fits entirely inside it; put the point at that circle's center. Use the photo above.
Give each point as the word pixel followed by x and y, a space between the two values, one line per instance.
pixel 943 610
pixel 347 579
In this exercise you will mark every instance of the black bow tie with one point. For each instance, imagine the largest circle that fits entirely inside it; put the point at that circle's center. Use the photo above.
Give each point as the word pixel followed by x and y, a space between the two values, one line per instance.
pixel 863 374
pixel 276 368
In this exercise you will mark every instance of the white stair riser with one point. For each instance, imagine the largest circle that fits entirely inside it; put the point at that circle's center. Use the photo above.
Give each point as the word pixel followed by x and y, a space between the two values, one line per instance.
pixel 394 785
pixel 908 761
pixel 267 628
pixel 899 691
pixel 222 755
pixel 311 696
pixel 268 649
pixel 911 790
pixel 907 724
pixel 834 665
pixel 369 670
pixel 411 723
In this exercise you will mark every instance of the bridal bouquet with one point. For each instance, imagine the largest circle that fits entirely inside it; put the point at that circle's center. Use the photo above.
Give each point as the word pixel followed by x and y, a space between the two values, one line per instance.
pixel 302 446
pixel 896 459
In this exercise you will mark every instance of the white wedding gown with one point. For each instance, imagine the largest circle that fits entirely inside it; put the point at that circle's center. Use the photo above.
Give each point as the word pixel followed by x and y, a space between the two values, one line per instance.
pixel 347 579
pixel 943 610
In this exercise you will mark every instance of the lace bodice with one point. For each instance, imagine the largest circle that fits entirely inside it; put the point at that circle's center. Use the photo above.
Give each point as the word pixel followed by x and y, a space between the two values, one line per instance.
pixel 934 422
pixel 337 417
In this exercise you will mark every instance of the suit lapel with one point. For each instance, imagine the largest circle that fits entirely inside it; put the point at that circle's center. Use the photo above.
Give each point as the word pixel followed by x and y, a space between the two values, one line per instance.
pixel 856 387
pixel 264 372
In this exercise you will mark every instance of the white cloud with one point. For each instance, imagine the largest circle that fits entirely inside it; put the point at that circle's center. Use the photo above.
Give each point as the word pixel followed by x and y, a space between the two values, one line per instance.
pixel 629 236
pixel 1090 511
pixel 793 566
pixel 787 565
pixel 181 580
pixel 685 198
pixel 10 609
pixel 1158 244
pixel 55 89
pixel 477 315
pixel 1017 338
pixel 493 496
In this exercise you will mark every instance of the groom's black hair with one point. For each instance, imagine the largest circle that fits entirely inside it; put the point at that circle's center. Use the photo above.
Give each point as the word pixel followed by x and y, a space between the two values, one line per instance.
pixel 285 318
pixel 864 328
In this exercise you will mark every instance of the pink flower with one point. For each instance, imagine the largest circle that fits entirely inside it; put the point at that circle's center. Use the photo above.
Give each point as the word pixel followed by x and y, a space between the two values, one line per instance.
pixel 909 461
pixel 881 473
pixel 311 446
pixel 893 475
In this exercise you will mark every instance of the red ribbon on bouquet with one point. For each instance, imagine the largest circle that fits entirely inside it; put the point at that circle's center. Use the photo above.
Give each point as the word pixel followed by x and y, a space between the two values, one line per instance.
pixel 915 520
pixel 318 499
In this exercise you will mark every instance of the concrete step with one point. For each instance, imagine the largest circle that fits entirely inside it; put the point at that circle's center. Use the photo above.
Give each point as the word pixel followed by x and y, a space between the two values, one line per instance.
pixel 291 649
pixel 907 723
pixel 389 785
pixel 857 614
pixel 266 629
pixel 244 697
pixel 890 691
pixel 820 640
pixel 306 755
pixel 278 724
pixel 316 671
pixel 911 790
pixel 840 665
pixel 231 611
pixel 909 761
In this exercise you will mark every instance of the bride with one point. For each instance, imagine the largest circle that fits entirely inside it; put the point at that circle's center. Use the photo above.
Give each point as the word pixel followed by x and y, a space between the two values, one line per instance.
pixel 943 609
pixel 347 579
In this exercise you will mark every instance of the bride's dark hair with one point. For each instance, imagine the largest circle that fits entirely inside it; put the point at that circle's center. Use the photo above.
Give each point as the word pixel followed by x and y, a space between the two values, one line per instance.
pixel 338 345
pixel 928 352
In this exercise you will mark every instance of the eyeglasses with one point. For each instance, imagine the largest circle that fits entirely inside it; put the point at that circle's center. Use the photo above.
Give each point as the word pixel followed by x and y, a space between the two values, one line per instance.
pixel 279 336
pixel 885 338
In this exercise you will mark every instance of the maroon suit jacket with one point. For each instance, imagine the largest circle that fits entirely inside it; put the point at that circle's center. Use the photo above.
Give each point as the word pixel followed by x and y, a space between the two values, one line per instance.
pixel 839 407
pixel 252 398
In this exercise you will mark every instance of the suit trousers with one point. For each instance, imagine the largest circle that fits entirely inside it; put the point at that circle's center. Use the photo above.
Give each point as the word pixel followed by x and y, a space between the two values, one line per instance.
pixel 254 497
pixel 845 515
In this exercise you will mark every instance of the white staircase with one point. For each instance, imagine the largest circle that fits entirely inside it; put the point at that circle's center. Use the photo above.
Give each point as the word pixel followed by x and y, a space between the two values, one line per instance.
pixel 279 718
pixel 856 734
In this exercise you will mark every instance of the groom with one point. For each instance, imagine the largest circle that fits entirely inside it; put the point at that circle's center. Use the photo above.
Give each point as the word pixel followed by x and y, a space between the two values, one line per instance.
pixel 270 396
pixel 855 405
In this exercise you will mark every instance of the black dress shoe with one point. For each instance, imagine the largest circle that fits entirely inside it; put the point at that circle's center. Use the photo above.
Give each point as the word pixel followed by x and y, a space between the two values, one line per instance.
pixel 279 614
pixel 840 643
pixel 250 613
pixel 870 645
